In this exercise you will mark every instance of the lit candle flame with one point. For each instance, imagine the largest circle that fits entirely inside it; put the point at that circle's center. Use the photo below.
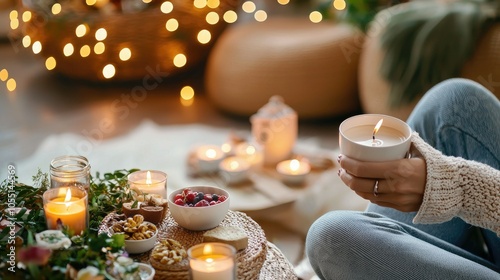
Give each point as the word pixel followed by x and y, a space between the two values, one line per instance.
pixel 294 165
pixel 211 153
pixel 207 249
pixel 148 178
pixel 377 127
pixel 67 199
pixel 233 165
pixel 250 150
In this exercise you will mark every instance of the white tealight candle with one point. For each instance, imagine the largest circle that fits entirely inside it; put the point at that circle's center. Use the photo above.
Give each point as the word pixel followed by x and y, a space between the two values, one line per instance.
pixel 293 171
pixel 209 157
pixel 373 137
pixel 149 182
pixel 234 169
pixel 251 153
pixel 208 261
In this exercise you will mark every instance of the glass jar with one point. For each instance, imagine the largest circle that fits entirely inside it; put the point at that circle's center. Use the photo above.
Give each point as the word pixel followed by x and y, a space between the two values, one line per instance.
pixel 70 171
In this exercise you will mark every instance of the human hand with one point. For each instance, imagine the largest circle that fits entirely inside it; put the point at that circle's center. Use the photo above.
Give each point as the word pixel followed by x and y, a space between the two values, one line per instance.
pixel 401 183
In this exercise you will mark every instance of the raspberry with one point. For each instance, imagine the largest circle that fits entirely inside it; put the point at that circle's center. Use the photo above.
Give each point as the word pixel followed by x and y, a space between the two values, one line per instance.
pixel 212 203
pixel 222 198
pixel 202 203
pixel 178 196
pixel 190 197
pixel 208 197
pixel 179 201
pixel 186 191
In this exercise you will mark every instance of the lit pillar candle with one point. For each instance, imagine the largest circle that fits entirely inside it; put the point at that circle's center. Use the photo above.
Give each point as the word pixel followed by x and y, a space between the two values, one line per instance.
pixel 209 157
pixel 149 182
pixel 251 153
pixel 208 261
pixel 373 137
pixel 66 205
pixel 234 169
pixel 293 171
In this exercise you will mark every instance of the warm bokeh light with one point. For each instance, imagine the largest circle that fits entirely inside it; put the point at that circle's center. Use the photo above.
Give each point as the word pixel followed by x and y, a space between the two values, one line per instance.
pixel 248 7
pixel 26 41
pixel 99 48
pixel 147 1
pixel 167 7
pixel 14 24
pixel 36 47
pixel 230 16
pixel 50 63
pixel 90 2
pixel 68 49
pixel 260 15
pixel 4 75
pixel 315 17
pixel 212 18
pixel 13 15
pixel 283 2
pixel 26 16
pixel 213 4
pixel 56 8
pixel 187 93
pixel 339 4
pixel 180 60
pixel 125 54
pixel 200 4
pixel 204 36
pixel 109 71
pixel 85 51
pixel 172 25
pixel 11 84
pixel 101 34
pixel 81 30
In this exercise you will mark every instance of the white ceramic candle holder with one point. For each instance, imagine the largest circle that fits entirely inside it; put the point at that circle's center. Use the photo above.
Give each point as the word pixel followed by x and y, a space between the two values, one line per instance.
pixel 208 261
pixel 293 171
pixel 234 169
pixel 154 183
pixel 392 141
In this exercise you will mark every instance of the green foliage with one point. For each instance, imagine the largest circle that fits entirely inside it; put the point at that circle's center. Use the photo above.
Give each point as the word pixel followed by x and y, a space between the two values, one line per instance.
pixel 107 193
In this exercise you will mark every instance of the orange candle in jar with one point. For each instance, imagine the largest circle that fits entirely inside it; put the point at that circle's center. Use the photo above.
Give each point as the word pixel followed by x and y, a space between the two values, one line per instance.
pixel 67 206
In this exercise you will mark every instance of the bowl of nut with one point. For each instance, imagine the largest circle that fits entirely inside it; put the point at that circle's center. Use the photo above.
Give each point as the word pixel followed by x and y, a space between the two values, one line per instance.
pixel 140 235
pixel 199 207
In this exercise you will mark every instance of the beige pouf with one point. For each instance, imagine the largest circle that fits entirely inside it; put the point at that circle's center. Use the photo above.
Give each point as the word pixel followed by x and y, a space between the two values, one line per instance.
pixel 483 66
pixel 312 66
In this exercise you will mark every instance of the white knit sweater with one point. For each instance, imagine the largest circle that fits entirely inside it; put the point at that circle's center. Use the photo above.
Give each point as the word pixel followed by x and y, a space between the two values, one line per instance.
pixel 457 187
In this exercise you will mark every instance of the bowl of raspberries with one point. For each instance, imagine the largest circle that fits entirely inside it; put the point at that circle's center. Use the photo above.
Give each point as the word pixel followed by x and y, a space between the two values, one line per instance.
pixel 199 207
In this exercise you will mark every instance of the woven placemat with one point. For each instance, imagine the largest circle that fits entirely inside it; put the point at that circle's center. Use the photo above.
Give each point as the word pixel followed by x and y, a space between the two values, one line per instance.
pixel 250 261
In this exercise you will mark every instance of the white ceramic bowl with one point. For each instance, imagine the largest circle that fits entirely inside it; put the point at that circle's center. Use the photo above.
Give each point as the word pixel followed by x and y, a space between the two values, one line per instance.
pixel 199 218
pixel 141 246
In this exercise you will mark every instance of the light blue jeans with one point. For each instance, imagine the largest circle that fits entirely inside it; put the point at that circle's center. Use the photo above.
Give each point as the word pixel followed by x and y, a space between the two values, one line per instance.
pixel 460 118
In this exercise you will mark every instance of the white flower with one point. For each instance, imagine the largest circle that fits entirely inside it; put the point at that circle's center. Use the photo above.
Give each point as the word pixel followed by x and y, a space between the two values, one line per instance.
pixel 53 239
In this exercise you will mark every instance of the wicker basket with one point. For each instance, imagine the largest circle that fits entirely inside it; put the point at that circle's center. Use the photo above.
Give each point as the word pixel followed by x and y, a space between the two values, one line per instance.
pixel 153 47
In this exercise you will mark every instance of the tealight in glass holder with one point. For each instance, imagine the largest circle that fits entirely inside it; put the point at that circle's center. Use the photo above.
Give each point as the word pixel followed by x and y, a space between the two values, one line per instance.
pixel 208 261
pixel 70 171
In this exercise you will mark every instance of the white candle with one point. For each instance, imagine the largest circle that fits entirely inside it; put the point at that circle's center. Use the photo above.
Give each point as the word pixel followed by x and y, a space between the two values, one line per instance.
pixel 293 171
pixel 209 157
pixel 251 153
pixel 208 261
pixel 67 205
pixel 234 169
pixel 149 182
pixel 360 139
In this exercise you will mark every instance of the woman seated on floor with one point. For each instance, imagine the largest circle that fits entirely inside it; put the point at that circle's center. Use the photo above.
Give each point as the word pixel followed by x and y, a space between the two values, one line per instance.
pixel 438 214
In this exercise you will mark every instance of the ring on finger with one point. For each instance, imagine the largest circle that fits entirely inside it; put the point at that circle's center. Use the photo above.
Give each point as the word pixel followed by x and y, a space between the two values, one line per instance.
pixel 375 188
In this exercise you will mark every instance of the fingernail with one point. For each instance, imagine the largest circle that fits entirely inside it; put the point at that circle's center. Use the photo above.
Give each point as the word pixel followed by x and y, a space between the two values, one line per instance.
pixel 339 157
pixel 338 172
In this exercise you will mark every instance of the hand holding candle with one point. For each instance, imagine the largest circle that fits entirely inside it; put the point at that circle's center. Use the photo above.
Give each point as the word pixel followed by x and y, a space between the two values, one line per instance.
pixel 373 137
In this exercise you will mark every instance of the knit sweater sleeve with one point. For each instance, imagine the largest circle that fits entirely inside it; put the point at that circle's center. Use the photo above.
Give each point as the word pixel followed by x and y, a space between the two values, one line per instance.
pixel 456 187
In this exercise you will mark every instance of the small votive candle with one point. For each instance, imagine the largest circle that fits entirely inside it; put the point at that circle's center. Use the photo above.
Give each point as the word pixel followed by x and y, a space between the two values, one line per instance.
pixel 209 157
pixel 374 137
pixel 251 153
pixel 66 206
pixel 149 182
pixel 293 171
pixel 234 169
pixel 208 261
